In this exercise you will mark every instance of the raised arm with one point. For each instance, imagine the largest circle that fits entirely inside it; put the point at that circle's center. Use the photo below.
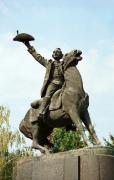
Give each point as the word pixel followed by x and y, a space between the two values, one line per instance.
pixel 36 55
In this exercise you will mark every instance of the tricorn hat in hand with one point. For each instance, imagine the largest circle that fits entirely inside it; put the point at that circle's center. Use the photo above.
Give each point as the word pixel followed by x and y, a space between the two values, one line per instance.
pixel 23 37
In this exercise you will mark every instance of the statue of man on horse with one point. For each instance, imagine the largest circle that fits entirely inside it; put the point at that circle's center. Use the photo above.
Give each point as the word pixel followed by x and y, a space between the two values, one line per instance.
pixel 63 99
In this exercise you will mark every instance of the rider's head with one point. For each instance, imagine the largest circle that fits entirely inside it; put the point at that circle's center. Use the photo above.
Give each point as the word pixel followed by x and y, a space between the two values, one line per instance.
pixel 57 54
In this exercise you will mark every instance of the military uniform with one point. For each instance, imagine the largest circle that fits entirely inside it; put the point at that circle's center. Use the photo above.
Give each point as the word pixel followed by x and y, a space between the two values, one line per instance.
pixel 54 74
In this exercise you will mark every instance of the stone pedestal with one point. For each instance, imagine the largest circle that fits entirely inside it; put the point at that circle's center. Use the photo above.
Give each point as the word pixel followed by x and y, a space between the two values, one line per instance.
pixel 84 164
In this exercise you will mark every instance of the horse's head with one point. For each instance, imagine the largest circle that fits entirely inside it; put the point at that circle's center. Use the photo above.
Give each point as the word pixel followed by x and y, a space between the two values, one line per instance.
pixel 72 57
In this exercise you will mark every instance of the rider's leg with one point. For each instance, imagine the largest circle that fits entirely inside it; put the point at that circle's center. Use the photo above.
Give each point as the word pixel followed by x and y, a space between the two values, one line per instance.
pixel 45 102
pixel 52 88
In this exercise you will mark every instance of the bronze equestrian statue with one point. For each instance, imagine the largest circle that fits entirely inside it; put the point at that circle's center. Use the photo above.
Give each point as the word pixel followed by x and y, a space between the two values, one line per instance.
pixel 63 100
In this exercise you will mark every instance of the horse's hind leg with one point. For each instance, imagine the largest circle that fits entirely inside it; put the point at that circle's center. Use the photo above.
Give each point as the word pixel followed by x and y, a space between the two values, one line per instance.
pixel 87 121
pixel 36 136
pixel 77 121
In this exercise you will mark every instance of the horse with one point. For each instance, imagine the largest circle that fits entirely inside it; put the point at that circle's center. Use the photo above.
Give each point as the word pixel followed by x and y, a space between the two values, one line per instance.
pixel 68 108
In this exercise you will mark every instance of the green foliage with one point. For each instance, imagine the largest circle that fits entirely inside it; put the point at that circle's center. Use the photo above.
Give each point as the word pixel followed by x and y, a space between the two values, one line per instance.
pixel 65 140
pixel 110 142
pixel 10 160
pixel 11 146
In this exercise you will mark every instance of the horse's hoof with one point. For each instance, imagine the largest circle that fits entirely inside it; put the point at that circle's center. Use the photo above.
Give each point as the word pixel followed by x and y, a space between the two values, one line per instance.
pixel 38 147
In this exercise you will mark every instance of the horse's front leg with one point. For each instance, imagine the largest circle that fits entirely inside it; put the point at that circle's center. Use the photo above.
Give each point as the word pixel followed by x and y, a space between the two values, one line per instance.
pixel 87 121
pixel 74 115
pixel 35 143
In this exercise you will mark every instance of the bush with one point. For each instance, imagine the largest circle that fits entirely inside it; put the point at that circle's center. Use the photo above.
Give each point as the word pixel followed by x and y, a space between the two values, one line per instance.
pixel 65 140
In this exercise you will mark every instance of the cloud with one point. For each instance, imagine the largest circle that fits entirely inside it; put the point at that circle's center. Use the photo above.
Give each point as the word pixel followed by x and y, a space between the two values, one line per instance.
pixel 20 75
pixel 3 8
pixel 98 71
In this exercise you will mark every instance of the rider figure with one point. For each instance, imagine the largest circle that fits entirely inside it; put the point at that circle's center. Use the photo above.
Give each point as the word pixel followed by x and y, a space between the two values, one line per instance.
pixel 53 78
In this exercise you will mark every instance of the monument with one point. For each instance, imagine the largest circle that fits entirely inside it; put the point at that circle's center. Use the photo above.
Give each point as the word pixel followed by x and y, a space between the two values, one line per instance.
pixel 63 103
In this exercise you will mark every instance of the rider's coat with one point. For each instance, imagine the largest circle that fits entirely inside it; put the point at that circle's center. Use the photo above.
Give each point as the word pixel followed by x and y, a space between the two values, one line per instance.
pixel 54 71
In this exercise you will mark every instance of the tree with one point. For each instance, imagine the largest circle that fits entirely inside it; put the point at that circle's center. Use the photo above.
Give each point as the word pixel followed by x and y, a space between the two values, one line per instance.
pixel 11 146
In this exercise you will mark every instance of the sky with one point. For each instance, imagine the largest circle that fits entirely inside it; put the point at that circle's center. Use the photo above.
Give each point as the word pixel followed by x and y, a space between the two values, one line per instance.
pixel 87 25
